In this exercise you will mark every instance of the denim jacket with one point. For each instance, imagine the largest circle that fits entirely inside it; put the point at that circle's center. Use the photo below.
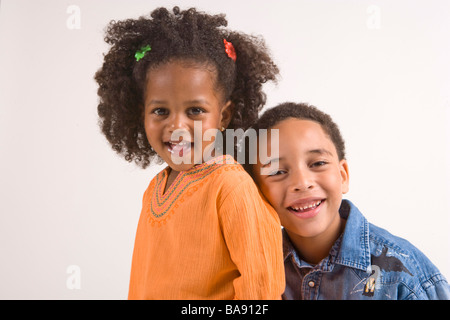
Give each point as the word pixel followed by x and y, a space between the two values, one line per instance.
pixel 365 263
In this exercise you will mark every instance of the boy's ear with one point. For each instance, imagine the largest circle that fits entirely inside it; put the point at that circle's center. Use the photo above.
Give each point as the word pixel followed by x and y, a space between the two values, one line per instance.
pixel 227 113
pixel 343 167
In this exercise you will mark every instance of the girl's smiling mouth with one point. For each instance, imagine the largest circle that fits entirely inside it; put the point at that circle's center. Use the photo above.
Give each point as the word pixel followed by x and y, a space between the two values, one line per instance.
pixel 179 148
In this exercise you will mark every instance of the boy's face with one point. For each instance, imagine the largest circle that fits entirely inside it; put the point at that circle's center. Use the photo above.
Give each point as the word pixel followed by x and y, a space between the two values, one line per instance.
pixel 306 189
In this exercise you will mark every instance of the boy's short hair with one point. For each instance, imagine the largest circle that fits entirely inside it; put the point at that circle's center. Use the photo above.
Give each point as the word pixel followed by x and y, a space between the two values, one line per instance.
pixel 301 111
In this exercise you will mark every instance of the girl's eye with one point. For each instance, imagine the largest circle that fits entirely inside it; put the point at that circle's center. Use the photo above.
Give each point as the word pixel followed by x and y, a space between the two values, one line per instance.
pixel 196 111
pixel 160 111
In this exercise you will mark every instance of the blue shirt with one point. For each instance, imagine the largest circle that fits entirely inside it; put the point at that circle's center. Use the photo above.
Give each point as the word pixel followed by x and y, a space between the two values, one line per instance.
pixel 366 262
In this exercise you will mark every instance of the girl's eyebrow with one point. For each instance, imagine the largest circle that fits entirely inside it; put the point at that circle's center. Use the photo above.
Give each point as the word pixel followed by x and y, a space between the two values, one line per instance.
pixel 197 101
pixel 155 102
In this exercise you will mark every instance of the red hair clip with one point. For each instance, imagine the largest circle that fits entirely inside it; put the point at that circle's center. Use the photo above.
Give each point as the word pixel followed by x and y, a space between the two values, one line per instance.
pixel 229 49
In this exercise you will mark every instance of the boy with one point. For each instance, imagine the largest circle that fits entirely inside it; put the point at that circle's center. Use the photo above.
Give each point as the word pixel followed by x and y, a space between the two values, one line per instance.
pixel 331 251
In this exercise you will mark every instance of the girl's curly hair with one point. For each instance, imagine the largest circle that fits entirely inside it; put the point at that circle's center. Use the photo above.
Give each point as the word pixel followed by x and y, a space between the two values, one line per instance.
pixel 182 35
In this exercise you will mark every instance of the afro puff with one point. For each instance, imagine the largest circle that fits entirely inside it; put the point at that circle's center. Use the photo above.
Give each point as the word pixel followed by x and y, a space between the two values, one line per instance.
pixel 185 35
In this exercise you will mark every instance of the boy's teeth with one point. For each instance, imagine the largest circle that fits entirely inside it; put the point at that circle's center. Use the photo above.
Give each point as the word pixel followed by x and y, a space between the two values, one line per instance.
pixel 313 205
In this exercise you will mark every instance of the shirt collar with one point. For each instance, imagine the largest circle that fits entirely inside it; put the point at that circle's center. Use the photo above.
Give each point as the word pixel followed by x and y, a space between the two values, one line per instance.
pixel 288 247
pixel 354 250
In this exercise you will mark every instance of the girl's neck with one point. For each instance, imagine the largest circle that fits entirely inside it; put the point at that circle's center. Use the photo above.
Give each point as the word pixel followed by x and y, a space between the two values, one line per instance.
pixel 315 249
pixel 171 178
pixel 172 174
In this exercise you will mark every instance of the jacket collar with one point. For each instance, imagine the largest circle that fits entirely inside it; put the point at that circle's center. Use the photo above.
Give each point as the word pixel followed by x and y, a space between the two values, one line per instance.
pixel 355 249
pixel 351 249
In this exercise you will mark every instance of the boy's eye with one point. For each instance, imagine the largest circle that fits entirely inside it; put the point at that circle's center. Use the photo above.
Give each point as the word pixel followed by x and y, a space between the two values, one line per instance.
pixel 276 172
pixel 160 111
pixel 195 111
pixel 319 164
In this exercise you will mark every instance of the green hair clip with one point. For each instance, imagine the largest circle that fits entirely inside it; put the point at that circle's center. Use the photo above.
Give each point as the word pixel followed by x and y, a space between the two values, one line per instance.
pixel 141 52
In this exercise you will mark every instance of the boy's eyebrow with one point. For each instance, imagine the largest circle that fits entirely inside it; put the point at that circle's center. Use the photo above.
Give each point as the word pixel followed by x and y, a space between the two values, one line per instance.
pixel 270 161
pixel 320 151
pixel 317 151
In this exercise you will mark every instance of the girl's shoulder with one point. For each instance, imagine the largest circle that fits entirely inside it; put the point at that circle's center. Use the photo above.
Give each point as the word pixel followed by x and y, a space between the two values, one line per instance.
pixel 221 173
pixel 220 176
pixel 226 169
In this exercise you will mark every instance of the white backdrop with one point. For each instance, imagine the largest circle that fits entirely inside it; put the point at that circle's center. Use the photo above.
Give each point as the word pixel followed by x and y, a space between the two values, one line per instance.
pixel 69 206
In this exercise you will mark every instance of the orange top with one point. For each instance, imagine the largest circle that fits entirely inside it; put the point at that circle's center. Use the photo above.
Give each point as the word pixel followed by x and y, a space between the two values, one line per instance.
pixel 210 236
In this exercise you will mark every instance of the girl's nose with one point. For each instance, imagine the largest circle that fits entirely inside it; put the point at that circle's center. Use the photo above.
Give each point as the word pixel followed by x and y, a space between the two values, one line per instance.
pixel 178 128
pixel 300 180
pixel 176 121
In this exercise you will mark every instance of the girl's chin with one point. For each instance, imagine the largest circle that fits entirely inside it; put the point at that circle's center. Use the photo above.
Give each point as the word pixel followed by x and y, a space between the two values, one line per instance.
pixel 187 160
pixel 182 164
pixel 180 167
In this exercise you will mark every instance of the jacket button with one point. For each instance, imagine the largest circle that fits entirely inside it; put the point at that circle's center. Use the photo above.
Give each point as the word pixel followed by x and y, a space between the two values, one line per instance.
pixel 311 284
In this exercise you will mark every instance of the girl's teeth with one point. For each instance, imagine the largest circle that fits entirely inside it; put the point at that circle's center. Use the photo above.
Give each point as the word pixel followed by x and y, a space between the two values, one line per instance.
pixel 179 148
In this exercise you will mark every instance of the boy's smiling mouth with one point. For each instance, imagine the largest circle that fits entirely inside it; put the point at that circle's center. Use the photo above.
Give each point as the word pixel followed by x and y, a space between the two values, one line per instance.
pixel 306 208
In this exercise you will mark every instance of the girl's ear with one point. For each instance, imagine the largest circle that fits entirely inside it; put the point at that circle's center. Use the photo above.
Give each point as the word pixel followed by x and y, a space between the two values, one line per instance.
pixel 227 114
pixel 142 108
pixel 343 167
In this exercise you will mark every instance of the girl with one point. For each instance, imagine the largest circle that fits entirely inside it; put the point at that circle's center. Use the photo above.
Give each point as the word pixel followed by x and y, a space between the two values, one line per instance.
pixel 204 230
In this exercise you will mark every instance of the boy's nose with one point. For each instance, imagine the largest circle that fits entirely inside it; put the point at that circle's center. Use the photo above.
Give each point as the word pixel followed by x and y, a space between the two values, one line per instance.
pixel 300 181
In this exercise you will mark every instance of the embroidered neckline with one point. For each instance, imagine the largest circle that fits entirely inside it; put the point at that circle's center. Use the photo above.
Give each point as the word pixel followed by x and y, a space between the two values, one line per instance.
pixel 162 204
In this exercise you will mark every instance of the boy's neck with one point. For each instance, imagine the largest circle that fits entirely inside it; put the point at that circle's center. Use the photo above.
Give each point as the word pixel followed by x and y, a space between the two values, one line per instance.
pixel 315 249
